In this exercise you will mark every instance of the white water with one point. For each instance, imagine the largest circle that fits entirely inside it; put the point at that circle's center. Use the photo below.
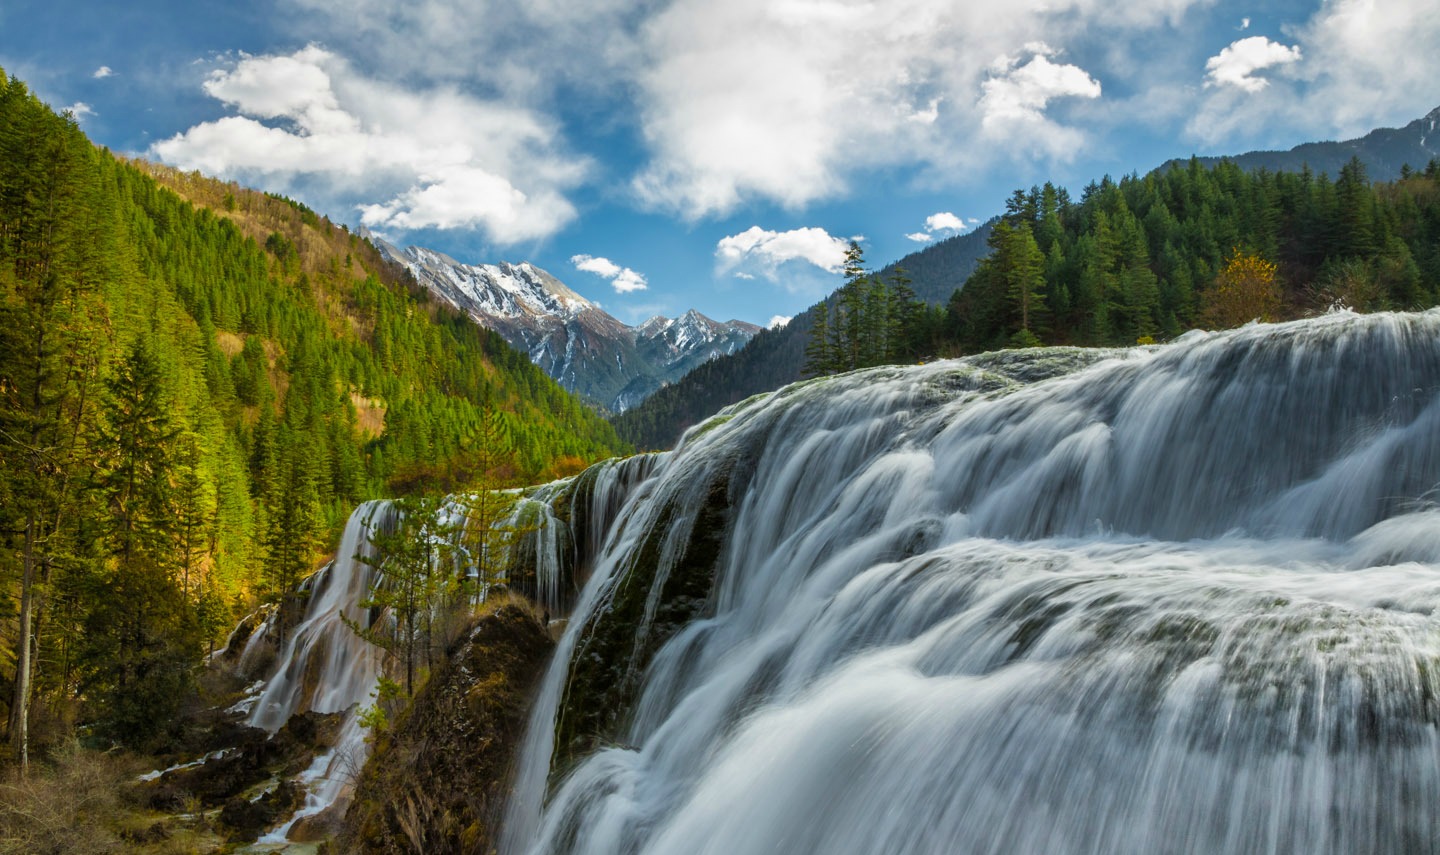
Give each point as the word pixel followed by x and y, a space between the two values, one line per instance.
pixel 559 555
pixel 325 666
pixel 1177 599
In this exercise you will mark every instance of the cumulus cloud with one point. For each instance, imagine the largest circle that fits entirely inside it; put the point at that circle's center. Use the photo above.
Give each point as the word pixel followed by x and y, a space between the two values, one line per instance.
pixel 939 225
pixel 944 221
pixel 623 279
pixel 762 101
pixel 799 259
pixel 824 89
pixel 80 110
pixel 1237 63
pixel 1363 66
pixel 778 321
pixel 435 158
pixel 103 72
pixel 1016 96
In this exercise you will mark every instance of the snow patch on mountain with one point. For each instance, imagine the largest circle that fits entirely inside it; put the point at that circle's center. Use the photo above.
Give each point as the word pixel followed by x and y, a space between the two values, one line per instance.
pixel 584 348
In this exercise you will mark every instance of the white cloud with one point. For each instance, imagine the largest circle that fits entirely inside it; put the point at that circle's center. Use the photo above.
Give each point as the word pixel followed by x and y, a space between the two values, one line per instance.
pixel 1367 64
pixel 788 101
pixel 780 101
pixel 80 110
pixel 435 158
pixel 1016 96
pixel 800 259
pixel 103 72
pixel 623 279
pixel 944 221
pixel 1364 66
pixel 778 321
pixel 1244 23
pixel 1237 63
pixel 938 225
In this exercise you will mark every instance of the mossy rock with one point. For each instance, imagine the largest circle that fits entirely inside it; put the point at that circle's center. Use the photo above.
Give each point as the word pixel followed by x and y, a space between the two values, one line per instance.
pixel 647 606
pixel 437 781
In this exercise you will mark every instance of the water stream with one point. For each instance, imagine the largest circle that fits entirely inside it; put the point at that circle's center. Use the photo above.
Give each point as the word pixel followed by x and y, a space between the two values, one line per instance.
pixel 325 666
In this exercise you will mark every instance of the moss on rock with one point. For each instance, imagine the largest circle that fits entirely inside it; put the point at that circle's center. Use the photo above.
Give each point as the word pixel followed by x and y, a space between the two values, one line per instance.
pixel 437 782
pixel 648 604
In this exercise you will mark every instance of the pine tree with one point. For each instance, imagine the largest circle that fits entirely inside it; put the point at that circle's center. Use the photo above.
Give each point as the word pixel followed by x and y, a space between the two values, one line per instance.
pixel 1022 268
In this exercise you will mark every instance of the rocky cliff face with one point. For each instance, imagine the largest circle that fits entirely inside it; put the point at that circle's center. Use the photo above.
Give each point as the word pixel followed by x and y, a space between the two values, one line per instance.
pixel 437 781
pixel 583 347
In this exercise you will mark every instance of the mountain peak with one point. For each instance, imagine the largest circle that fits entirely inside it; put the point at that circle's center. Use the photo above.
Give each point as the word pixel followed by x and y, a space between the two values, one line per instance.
pixel 498 290
pixel 581 346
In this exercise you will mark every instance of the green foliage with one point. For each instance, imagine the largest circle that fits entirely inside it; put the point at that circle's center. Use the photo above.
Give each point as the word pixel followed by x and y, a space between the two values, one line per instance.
pixel 375 718
pixel 1147 257
pixel 197 383
pixel 870 321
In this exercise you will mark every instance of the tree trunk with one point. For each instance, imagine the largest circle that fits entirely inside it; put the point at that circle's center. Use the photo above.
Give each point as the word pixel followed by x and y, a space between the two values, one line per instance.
pixel 20 706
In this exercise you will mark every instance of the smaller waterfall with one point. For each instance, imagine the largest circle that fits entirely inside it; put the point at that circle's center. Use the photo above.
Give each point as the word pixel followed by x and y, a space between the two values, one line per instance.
pixel 561 528
pixel 539 555
pixel 325 666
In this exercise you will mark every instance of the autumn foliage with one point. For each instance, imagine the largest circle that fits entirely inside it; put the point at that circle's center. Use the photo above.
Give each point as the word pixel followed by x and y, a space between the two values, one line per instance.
pixel 1246 290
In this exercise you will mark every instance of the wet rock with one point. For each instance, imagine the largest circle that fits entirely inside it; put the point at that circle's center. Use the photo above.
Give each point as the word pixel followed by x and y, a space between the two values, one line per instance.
pixel 437 782
pixel 246 819
pixel 320 827
pixel 252 757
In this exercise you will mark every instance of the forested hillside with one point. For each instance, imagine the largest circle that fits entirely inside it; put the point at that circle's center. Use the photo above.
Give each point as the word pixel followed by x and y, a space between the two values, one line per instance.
pixel 1386 152
pixel 776 357
pixel 197 384
pixel 1148 258
pixel 1142 259
pixel 772 359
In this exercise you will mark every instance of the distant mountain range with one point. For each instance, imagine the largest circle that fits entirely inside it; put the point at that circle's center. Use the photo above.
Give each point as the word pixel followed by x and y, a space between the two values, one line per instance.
pixel 584 348
pixel 1384 152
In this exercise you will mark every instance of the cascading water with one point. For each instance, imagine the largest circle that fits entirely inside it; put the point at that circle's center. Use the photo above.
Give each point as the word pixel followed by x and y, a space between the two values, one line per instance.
pixel 325 666
pixel 1168 599
pixel 562 526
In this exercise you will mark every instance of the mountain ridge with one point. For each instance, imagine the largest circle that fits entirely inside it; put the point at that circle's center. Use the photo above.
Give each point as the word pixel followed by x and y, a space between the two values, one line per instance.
pixel 1384 151
pixel 585 349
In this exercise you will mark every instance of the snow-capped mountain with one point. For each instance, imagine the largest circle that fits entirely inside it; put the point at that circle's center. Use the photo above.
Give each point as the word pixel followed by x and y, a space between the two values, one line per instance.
pixel 583 347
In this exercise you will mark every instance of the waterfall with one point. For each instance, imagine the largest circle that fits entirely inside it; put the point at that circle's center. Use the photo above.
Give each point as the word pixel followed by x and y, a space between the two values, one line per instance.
pixel 1178 598
pixel 561 529
pixel 325 666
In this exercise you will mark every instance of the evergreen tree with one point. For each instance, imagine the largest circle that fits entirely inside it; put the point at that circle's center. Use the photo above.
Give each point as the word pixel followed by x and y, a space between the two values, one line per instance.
pixel 1023 269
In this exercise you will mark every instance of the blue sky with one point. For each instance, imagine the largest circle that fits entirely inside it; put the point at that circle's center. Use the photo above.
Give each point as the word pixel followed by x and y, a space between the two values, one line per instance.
pixel 659 156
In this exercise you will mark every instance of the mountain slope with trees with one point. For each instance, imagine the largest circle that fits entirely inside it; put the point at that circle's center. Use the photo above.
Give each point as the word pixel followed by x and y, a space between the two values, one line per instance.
pixel 197 384
pixel 1142 259
pixel 1145 259
pixel 1385 152
pixel 776 357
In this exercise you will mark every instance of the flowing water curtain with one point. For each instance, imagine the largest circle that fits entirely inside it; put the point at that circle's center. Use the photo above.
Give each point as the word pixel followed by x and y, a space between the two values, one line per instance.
pixel 1158 599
